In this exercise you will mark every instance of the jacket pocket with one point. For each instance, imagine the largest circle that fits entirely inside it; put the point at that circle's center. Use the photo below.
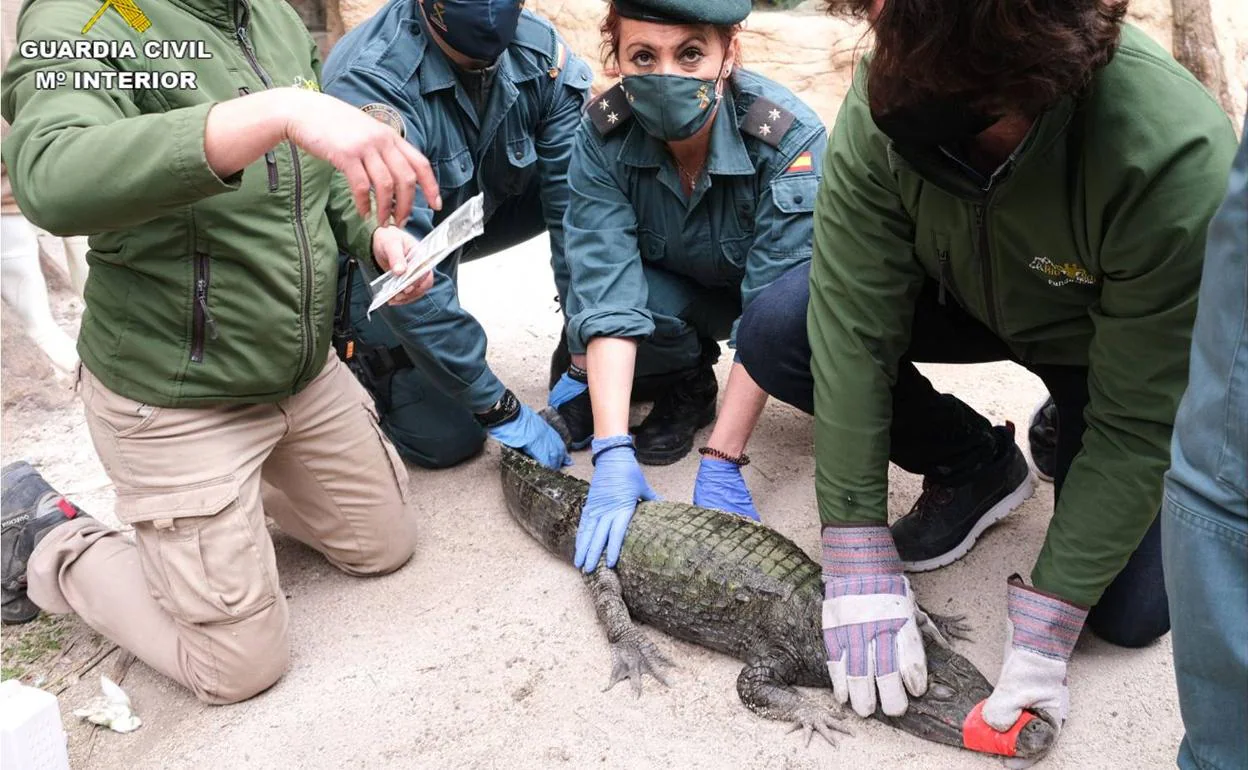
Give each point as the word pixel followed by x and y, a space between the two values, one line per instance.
pixel 206 560
pixel 455 171
pixel 795 195
pixel 734 253
pixel 653 246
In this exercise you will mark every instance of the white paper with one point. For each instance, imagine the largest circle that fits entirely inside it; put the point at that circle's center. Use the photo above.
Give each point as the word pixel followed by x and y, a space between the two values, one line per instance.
pixel 464 224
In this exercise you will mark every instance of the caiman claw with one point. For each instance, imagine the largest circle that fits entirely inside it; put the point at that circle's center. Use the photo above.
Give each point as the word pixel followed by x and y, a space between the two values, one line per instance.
pixel 945 627
pixel 633 656
pixel 812 717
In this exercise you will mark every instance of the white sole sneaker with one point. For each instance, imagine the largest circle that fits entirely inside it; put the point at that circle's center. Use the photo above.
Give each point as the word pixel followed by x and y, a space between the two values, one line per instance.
pixel 1013 500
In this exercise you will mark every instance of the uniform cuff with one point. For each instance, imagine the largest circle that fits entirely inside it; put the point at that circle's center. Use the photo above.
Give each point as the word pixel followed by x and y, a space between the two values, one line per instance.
pixel 628 324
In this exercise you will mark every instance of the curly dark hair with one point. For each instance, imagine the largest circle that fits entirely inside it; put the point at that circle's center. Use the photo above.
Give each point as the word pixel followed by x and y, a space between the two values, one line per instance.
pixel 999 55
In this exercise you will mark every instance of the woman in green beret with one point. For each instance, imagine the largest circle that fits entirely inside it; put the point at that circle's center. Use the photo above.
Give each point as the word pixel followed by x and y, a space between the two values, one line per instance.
pixel 693 185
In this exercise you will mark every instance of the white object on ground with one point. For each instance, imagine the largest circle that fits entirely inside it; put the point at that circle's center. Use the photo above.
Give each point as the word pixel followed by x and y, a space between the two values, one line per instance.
pixel 68 255
pixel 464 224
pixel 24 289
pixel 112 709
pixel 31 735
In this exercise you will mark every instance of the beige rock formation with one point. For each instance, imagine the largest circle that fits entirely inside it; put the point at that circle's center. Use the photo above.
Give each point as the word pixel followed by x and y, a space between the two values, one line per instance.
pixel 814 54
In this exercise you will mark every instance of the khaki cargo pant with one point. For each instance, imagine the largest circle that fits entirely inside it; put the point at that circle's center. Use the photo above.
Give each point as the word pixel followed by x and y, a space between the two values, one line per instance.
pixel 196 596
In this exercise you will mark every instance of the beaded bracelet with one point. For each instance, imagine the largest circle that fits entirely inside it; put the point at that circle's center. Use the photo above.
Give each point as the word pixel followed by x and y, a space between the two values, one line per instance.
pixel 741 461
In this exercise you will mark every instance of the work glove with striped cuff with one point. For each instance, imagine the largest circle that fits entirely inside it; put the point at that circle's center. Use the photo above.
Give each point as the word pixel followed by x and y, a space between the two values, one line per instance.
pixel 871 623
pixel 1041 635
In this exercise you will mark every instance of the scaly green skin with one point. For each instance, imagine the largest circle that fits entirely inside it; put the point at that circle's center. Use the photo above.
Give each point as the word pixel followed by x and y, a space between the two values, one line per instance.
pixel 727 583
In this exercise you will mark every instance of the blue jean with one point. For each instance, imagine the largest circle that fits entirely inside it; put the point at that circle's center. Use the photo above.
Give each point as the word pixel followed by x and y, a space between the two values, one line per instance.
pixel 1205 510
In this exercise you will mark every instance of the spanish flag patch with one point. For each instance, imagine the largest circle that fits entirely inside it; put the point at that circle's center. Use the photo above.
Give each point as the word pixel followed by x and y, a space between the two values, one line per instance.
pixel 802 162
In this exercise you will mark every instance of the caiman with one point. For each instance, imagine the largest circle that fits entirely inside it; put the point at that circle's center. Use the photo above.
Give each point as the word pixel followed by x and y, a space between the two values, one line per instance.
pixel 738 587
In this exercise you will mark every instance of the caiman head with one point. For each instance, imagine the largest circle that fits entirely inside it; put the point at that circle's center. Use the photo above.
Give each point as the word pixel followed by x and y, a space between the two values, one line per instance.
pixel 954 688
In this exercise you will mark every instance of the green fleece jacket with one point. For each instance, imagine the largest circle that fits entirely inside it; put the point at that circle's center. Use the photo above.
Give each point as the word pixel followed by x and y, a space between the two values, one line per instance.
pixel 1085 249
pixel 202 290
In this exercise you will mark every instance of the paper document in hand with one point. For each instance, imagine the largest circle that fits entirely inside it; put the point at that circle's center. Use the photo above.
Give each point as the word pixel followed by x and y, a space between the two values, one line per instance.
pixel 464 224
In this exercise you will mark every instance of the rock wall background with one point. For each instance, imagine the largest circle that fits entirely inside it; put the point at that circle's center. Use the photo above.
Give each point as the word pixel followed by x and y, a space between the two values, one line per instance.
pixel 802 47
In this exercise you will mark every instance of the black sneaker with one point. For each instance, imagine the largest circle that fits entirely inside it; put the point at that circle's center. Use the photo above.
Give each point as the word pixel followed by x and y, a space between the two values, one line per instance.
pixel 946 521
pixel 666 435
pixel 1042 440
pixel 29 509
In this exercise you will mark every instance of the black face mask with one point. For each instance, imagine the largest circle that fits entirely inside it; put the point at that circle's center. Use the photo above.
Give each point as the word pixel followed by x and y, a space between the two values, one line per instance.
pixel 938 121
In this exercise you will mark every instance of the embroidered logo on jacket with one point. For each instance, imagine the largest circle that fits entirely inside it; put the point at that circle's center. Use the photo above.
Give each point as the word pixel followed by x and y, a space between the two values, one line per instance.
pixel 1060 275
pixel 133 15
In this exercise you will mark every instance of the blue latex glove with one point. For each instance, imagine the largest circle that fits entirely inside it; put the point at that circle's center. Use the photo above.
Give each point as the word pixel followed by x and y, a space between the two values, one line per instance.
pixel 721 486
pixel 532 435
pixel 565 390
pixel 613 493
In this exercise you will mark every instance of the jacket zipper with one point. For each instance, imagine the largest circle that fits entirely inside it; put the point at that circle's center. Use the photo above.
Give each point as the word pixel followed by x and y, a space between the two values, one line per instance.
pixel 305 257
pixel 202 316
pixel 270 157
pixel 981 224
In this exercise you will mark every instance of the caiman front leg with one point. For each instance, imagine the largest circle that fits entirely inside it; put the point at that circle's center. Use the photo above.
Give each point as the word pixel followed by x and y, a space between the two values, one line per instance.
pixel 632 654
pixel 764 688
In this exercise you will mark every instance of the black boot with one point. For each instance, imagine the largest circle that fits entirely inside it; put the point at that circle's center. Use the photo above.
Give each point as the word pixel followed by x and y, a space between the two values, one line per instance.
pixel 946 521
pixel 577 415
pixel 29 509
pixel 560 360
pixel 666 435
pixel 645 388
pixel 1042 440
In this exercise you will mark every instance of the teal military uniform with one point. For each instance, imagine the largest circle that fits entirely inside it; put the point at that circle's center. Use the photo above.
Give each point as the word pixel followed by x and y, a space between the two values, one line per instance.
pixel 648 263
pixel 509 138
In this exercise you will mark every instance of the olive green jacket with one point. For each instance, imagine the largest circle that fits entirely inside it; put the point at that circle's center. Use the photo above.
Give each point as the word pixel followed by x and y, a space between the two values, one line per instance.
pixel 1085 249
pixel 202 290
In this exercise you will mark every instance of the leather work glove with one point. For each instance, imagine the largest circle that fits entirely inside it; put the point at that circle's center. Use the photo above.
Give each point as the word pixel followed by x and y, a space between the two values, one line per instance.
pixel 720 485
pixel 613 493
pixel 1040 637
pixel 532 435
pixel 573 383
pixel 872 627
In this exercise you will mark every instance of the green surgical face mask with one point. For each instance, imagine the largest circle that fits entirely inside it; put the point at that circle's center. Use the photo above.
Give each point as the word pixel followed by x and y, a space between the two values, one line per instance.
pixel 670 107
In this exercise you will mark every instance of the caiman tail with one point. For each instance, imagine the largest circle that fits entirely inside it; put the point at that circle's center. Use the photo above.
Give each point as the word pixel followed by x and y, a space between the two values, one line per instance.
pixel 729 584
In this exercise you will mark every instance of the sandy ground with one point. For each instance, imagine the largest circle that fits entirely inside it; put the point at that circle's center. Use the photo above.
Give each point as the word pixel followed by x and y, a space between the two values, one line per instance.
pixel 484 651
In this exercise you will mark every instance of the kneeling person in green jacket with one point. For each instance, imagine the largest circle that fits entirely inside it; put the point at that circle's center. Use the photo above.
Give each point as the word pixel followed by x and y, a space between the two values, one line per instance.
pixel 1028 186
pixel 211 394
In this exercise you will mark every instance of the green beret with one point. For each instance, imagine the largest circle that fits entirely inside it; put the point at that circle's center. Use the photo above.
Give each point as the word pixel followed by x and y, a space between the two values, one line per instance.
pixel 720 12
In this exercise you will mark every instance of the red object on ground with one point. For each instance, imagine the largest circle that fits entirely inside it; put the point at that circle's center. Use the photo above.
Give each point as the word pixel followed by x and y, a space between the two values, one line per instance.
pixel 977 735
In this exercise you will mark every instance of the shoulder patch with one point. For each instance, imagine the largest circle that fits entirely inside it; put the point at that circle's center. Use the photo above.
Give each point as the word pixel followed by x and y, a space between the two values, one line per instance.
pixel 767 121
pixel 610 110
pixel 386 114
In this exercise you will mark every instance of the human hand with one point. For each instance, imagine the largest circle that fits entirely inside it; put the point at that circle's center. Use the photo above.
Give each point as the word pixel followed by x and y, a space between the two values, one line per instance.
pixel 390 245
pixel 1041 632
pixel 371 154
pixel 720 485
pixel 532 435
pixel 870 622
pixel 613 493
